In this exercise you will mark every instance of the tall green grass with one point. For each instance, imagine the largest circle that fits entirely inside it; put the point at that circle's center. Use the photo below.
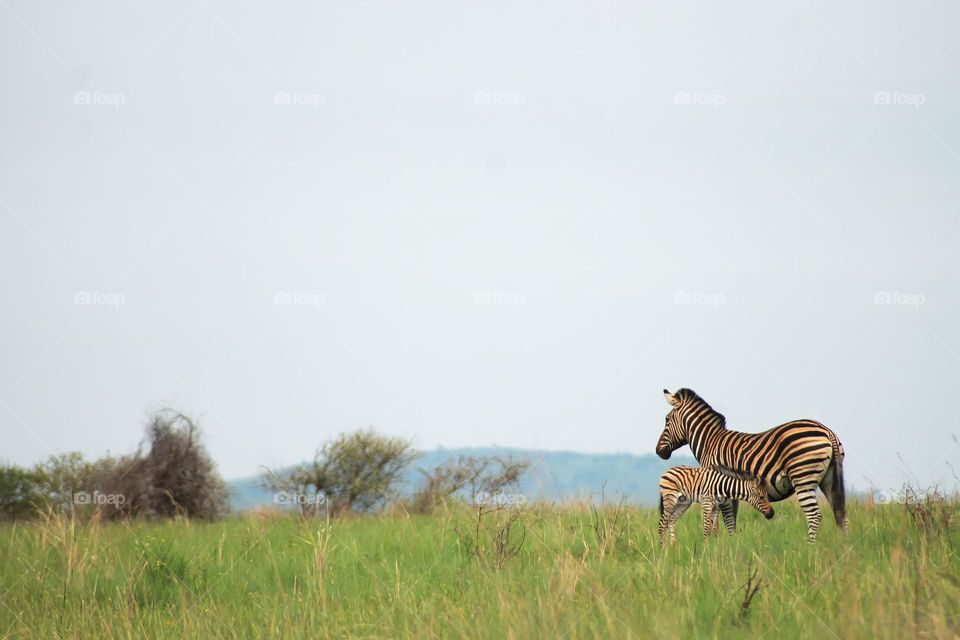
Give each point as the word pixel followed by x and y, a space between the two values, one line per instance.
pixel 579 573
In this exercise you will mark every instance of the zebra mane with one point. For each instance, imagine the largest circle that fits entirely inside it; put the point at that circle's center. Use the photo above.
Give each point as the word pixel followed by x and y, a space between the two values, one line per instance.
pixel 689 397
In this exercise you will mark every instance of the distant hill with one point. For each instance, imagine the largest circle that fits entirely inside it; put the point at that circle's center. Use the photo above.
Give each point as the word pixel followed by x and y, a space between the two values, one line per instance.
pixel 554 475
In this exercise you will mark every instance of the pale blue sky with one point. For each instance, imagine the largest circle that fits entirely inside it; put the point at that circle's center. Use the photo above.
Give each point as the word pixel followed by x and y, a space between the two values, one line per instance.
pixel 487 218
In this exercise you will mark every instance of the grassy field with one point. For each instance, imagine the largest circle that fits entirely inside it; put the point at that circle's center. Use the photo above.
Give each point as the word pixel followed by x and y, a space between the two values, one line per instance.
pixel 578 573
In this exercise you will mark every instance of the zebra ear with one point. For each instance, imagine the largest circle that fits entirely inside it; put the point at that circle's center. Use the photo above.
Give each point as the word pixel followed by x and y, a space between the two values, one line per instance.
pixel 672 399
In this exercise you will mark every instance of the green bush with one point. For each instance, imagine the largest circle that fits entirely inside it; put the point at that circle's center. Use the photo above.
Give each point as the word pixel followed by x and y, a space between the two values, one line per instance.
pixel 63 475
pixel 20 493
pixel 353 472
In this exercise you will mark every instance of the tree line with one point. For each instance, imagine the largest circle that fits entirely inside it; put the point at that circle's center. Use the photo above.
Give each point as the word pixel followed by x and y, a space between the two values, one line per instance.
pixel 171 474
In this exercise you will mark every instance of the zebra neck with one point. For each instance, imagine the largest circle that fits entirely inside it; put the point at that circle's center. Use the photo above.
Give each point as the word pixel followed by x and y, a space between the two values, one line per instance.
pixel 739 490
pixel 704 436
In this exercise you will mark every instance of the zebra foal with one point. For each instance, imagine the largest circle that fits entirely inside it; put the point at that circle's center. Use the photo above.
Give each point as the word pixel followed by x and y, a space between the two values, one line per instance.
pixel 712 488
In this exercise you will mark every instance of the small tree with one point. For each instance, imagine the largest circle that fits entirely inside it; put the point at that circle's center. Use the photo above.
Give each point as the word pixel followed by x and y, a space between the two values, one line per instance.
pixel 353 472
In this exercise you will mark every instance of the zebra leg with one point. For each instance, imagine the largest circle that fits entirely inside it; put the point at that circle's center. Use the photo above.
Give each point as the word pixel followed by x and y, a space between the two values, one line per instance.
pixel 807 496
pixel 667 504
pixel 709 517
pixel 677 512
pixel 729 516
pixel 714 520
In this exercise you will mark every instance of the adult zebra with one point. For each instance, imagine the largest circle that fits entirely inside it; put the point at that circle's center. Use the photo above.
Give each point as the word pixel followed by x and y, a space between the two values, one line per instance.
pixel 796 457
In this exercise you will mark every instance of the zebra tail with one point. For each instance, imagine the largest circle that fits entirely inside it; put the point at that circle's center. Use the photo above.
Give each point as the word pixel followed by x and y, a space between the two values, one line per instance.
pixel 838 497
pixel 661 504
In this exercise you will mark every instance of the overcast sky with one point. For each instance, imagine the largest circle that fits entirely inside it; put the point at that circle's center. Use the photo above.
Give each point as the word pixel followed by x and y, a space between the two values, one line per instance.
pixel 477 223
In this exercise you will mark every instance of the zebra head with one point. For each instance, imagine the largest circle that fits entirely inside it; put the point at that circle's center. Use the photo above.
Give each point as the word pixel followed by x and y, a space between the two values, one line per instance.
pixel 689 418
pixel 750 487
pixel 757 496
pixel 674 433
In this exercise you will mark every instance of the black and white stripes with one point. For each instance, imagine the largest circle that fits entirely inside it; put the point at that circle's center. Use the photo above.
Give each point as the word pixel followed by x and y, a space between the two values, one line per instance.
pixel 795 457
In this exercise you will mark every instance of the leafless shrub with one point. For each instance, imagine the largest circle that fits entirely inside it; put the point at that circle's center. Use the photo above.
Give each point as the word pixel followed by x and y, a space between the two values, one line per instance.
pixel 495 543
pixel 295 487
pixel 606 525
pixel 175 477
pixel 505 544
pixel 932 511
pixel 750 590
pixel 468 476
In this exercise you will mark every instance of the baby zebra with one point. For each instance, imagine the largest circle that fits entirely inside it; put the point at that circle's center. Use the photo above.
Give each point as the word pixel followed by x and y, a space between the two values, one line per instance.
pixel 713 489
